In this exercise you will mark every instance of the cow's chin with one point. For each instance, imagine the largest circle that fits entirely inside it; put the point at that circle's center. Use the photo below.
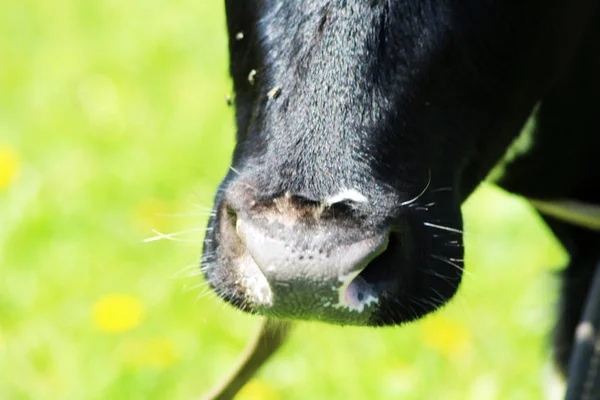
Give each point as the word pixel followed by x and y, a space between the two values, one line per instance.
pixel 411 269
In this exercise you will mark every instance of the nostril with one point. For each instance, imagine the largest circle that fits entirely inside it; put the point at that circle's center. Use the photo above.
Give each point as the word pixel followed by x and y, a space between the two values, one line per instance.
pixel 341 209
pixel 304 201
pixel 228 236
pixel 231 215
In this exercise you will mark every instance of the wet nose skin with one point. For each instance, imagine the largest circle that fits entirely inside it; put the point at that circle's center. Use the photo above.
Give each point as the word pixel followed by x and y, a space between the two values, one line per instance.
pixel 312 269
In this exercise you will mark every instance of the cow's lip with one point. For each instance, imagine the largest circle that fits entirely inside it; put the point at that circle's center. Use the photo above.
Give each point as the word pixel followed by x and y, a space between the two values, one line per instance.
pixel 344 298
pixel 344 302
pixel 254 283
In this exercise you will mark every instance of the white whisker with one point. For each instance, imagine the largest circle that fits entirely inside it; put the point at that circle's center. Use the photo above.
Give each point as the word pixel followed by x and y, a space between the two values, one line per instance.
pixel 194 287
pixel 188 214
pixel 208 293
pixel 420 194
pixel 457 266
pixel 188 267
pixel 201 207
pixel 444 228
pixel 242 181
pixel 192 274
pixel 208 256
pixel 189 273
pixel 172 236
pixel 438 275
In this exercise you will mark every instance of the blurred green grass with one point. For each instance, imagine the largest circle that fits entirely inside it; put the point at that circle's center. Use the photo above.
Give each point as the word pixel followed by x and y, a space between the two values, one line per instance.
pixel 115 117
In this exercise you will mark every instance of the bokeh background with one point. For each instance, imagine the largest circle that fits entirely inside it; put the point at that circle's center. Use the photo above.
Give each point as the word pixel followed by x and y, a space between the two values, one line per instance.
pixel 114 129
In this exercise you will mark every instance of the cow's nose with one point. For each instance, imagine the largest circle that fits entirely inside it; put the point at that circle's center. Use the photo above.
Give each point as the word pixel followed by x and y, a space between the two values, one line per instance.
pixel 311 268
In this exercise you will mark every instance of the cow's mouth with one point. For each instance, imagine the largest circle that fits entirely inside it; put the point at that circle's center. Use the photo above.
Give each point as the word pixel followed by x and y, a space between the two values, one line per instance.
pixel 288 267
pixel 303 271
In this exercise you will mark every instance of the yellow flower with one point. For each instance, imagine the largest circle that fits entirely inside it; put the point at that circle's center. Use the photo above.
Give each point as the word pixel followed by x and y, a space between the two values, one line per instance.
pixel 9 166
pixel 114 313
pixel 448 337
pixel 154 352
pixel 258 390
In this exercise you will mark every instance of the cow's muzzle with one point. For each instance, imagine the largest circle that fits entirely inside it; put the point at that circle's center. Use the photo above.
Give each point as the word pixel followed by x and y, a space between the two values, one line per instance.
pixel 298 259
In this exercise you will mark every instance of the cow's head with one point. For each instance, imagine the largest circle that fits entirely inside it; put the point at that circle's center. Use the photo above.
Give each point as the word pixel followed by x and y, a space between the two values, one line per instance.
pixel 362 126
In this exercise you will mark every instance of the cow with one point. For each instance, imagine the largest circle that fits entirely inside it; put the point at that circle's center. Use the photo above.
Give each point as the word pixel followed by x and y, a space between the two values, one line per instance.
pixel 363 125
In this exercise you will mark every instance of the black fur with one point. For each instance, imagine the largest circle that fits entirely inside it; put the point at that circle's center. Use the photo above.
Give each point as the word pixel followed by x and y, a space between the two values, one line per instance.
pixel 391 96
